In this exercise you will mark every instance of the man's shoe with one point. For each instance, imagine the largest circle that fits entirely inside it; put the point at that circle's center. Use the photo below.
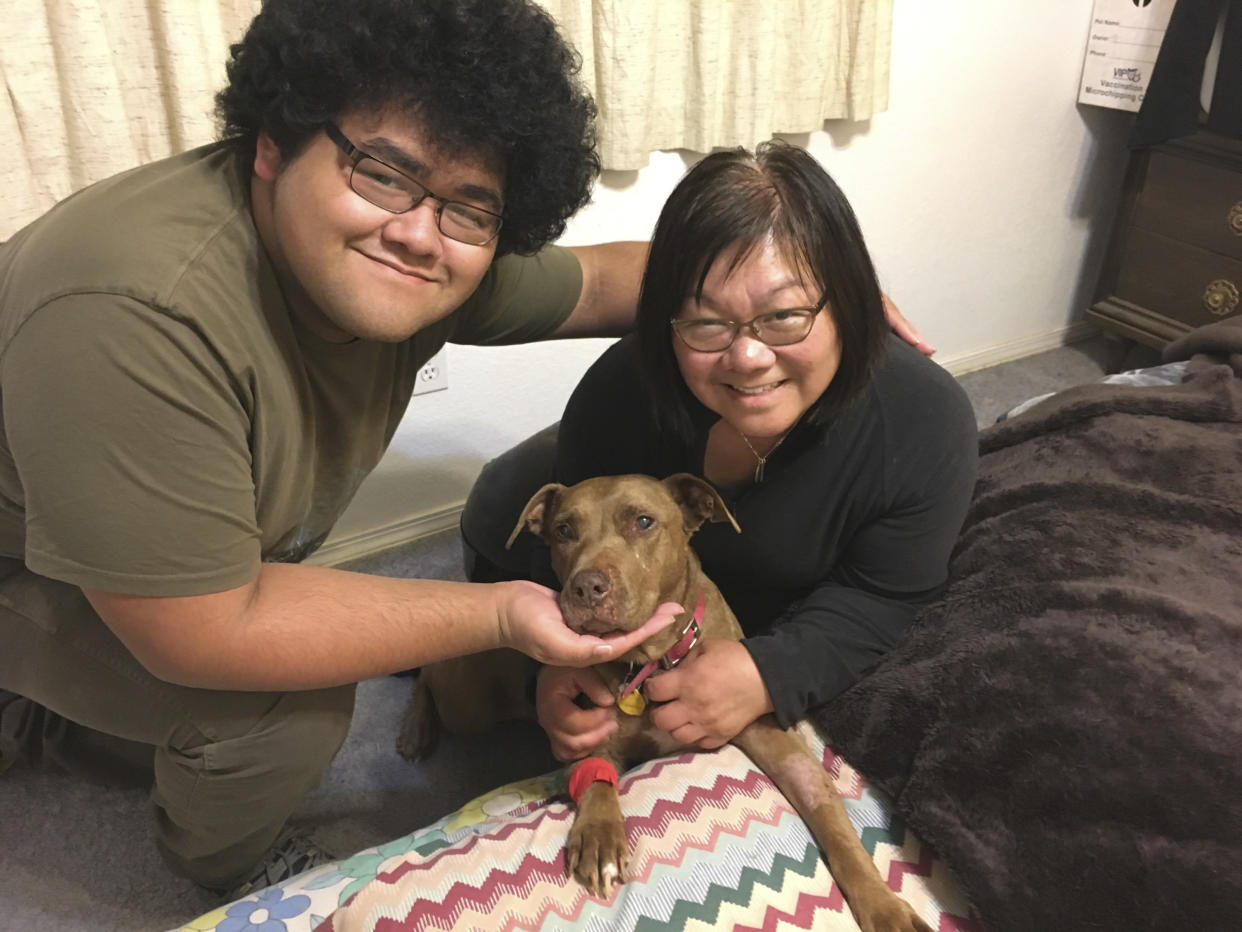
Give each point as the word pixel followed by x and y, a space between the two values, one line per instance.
pixel 291 854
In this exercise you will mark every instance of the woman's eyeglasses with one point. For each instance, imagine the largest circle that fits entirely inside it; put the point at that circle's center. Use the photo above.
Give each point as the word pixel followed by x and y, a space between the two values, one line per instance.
pixel 775 328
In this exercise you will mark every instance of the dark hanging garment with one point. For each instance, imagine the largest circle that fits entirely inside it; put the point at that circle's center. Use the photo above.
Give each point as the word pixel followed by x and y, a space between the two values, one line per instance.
pixel 1171 106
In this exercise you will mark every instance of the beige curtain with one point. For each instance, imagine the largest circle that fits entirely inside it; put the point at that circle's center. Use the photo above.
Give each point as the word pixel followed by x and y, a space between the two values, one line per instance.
pixel 93 87
pixel 700 74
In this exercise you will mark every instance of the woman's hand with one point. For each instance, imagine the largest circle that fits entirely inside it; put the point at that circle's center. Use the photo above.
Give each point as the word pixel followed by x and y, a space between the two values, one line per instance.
pixel 529 620
pixel 710 696
pixel 904 329
pixel 573 731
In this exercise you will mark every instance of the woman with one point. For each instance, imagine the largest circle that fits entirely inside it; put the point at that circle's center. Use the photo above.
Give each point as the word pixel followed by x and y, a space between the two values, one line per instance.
pixel 763 362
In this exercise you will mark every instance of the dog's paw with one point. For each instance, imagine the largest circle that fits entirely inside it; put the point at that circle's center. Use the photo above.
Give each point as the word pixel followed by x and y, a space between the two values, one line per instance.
pixel 890 914
pixel 420 726
pixel 407 747
pixel 598 855
pixel 416 740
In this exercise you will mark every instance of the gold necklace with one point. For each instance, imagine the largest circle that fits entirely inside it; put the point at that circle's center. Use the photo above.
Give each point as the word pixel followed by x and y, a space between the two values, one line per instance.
pixel 763 460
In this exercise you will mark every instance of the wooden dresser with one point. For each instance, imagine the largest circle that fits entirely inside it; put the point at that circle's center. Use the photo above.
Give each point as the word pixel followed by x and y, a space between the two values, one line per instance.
pixel 1175 258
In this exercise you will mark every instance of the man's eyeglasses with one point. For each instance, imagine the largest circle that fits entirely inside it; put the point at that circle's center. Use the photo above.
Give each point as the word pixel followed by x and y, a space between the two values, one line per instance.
pixel 396 192
pixel 775 328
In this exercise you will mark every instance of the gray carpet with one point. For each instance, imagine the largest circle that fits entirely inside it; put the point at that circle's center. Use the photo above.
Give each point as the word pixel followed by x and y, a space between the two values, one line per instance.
pixel 76 856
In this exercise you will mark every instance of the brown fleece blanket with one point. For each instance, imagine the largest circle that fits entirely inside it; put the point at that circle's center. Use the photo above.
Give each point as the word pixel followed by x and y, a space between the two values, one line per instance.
pixel 1064 725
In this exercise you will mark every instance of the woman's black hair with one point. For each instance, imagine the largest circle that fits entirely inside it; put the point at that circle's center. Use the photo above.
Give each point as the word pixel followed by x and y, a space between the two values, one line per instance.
pixel 734 201
pixel 491 78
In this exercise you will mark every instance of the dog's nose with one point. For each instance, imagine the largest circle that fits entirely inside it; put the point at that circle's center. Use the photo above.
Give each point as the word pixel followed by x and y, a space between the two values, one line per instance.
pixel 589 587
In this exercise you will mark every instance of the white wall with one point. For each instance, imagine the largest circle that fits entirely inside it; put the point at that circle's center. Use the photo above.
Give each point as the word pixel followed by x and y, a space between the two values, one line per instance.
pixel 985 193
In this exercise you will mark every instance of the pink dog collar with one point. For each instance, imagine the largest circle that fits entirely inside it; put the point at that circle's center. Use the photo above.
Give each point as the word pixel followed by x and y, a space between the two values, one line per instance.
pixel 689 637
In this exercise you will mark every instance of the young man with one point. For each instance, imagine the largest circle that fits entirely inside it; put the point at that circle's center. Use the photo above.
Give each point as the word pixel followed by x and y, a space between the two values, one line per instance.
pixel 201 359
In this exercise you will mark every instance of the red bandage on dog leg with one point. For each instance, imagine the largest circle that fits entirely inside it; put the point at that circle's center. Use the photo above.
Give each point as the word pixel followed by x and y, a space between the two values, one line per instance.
pixel 591 770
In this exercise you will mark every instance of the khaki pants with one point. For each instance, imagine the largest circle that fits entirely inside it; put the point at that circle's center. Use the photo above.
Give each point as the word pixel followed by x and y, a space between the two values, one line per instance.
pixel 228 767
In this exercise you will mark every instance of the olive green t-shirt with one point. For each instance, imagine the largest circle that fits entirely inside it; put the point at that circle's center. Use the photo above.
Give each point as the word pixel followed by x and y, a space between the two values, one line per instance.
pixel 166 422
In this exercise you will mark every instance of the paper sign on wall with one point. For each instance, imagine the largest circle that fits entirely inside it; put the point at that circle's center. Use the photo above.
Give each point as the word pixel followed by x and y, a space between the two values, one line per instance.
pixel 1122 47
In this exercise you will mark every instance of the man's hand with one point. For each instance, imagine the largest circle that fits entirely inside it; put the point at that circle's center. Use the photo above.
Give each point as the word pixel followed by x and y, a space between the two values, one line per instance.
pixel 710 696
pixel 530 621
pixel 904 329
pixel 574 732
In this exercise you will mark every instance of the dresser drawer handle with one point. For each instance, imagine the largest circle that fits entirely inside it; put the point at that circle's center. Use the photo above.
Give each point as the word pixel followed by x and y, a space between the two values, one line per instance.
pixel 1235 218
pixel 1221 297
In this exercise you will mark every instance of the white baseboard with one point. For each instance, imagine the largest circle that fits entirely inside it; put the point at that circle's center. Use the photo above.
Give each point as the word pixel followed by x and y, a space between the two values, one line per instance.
pixel 412 527
pixel 364 543
pixel 1017 349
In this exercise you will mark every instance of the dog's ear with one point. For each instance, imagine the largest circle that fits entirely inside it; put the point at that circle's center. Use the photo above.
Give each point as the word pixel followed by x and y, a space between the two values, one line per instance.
pixel 699 501
pixel 532 515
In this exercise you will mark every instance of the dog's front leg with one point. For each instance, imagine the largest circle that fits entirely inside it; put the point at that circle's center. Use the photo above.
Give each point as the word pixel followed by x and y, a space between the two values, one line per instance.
pixel 788 762
pixel 598 853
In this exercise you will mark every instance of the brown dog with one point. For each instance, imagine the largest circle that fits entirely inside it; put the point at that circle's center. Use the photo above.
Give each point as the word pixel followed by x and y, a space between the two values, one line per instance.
pixel 620 546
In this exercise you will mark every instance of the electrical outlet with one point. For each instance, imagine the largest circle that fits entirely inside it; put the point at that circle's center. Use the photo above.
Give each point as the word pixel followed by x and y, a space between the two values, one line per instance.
pixel 433 376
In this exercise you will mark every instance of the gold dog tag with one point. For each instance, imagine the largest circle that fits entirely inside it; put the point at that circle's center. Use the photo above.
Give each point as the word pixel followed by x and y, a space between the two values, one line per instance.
pixel 633 704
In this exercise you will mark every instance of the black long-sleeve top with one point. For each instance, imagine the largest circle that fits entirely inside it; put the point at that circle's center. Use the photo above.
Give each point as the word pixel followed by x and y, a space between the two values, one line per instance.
pixel 846 538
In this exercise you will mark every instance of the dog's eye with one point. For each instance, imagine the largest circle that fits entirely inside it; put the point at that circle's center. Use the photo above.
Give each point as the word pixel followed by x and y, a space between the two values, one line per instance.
pixel 564 531
pixel 645 522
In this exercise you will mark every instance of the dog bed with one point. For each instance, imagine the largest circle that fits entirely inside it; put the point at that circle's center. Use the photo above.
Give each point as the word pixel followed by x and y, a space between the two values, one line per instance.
pixel 714 845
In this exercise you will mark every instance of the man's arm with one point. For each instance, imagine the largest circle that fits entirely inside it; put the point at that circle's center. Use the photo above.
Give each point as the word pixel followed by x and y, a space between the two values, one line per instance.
pixel 612 274
pixel 308 627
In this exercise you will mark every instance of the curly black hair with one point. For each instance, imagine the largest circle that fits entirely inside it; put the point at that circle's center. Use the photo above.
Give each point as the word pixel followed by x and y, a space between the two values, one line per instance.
pixel 493 78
